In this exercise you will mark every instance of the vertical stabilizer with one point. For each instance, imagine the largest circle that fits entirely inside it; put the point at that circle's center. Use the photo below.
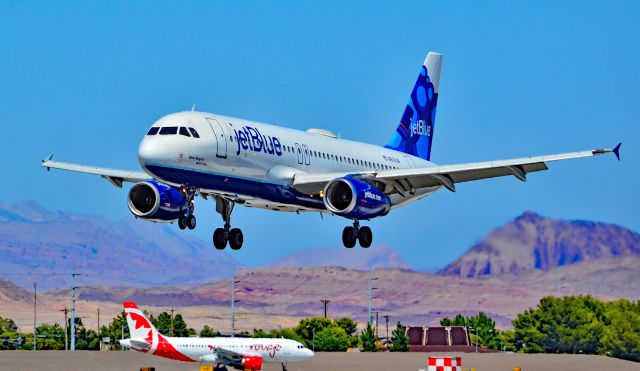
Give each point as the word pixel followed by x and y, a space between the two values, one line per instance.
pixel 139 326
pixel 414 134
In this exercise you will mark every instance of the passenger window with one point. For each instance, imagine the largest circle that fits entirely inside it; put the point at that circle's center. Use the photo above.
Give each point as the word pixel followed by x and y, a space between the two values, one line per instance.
pixel 184 131
pixel 169 130
pixel 194 133
pixel 153 130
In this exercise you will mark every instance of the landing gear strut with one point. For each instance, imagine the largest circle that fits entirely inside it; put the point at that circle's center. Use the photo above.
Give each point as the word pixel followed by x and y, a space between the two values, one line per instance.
pixel 226 234
pixel 284 367
pixel 356 233
pixel 188 220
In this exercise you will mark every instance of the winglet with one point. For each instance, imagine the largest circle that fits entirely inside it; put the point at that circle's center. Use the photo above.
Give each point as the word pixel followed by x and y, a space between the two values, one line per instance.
pixel 616 151
pixel 48 158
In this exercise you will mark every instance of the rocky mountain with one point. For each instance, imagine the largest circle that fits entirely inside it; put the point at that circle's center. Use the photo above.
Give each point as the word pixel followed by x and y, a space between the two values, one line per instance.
pixel 533 242
pixel 375 257
pixel 36 242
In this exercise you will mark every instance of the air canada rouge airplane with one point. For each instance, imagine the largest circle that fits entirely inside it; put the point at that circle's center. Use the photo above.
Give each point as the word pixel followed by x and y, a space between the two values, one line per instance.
pixel 241 162
pixel 239 353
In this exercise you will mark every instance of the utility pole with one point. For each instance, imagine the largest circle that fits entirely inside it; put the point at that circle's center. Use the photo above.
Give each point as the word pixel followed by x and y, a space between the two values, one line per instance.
pixel 370 318
pixel 35 302
pixel 233 304
pixel 66 321
pixel 325 302
pixel 386 319
pixel 171 322
pixel 73 311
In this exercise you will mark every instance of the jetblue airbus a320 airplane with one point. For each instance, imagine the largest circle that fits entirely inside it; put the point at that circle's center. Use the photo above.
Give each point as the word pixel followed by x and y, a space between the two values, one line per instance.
pixel 235 161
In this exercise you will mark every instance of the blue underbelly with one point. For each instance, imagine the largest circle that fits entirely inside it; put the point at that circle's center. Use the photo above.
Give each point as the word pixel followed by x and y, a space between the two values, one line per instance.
pixel 279 193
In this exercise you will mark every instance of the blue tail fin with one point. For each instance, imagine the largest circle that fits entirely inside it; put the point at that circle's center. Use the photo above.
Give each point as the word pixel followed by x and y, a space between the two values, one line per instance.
pixel 415 131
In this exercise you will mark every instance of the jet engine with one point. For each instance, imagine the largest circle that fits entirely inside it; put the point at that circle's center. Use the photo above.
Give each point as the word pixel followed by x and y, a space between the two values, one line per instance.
pixel 355 199
pixel 155 201
pixel 250 363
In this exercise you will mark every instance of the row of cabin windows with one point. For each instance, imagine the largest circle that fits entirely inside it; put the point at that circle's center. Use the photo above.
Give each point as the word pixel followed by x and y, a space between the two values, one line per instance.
pixel 173 130
pixel 344 159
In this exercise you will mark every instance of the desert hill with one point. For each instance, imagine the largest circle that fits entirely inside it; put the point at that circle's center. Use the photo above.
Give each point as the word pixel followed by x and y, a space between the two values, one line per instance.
pixel 533 242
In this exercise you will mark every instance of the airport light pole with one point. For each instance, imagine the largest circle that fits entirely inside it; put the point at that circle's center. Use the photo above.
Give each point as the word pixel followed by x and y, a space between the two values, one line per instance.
pixel 370 318
pixel 73 311
pixel 476 332
pixel 122 334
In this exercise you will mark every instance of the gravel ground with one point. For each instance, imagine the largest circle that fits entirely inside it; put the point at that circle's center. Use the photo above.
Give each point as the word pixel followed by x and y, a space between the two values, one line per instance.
pixel 97 361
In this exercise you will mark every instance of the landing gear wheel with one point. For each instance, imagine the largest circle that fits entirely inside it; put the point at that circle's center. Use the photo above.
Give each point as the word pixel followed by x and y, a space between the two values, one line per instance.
pixel 349 237
pixel 191 222
pixel 235 239
pixel 365 236
pixel 219 239
pixel 220 368
pixel 182 223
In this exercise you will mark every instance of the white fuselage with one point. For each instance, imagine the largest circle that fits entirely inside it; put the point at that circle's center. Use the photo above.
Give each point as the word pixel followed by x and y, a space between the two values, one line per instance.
pixel 255 163
pixel 204 349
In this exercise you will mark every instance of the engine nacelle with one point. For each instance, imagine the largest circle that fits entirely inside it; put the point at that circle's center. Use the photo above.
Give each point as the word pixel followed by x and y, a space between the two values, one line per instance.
pixel 253 363
pixel 353 198
pixel 155 201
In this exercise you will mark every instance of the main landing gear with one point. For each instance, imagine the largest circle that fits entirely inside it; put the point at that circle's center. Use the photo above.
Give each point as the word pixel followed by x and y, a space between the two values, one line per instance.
pixel 356 233
pixel 188 220
pixel 226 234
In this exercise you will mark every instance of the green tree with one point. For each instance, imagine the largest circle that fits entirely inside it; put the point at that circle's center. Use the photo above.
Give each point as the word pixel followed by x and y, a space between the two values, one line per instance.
pixel 180 328
pixel 399 339
pixel 459 320
pixel 332 339
pixel 622 335
pixel 347 324
pixel 570 324
pixel 207 332
pixel 259 333
pixel 485 329
pixel 308 326
pixel 287 333
pixel 368 339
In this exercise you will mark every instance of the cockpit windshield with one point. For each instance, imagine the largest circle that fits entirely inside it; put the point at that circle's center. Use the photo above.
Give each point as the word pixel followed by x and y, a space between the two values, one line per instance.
pixel 169 130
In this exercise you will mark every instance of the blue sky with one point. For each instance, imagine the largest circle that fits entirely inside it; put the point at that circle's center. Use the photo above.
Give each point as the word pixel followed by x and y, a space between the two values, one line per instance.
pixel 86 80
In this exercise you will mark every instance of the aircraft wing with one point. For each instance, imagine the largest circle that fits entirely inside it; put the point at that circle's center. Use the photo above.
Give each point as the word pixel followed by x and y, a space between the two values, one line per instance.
pixel 115 176
pixel 139 344
pixel 229 355
pixel 407 180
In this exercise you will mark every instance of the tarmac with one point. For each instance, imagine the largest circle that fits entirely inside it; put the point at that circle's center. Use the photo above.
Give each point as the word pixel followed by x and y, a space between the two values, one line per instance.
pixel 133 361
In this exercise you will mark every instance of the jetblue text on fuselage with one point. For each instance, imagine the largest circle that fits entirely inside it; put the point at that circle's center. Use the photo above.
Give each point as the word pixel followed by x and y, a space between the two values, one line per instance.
pixel 250 138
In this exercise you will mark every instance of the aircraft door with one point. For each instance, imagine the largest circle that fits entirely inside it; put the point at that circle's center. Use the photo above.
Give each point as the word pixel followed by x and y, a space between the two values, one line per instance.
pixel 219 133
pixel 410 161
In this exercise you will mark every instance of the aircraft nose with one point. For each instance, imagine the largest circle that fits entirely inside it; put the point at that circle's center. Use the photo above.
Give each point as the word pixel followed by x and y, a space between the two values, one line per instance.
pixel 309 353
pixel 151 150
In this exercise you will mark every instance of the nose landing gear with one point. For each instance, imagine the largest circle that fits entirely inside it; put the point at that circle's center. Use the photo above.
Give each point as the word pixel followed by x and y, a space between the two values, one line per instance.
pixel 188 220
pixel 222 236
pixel 356 233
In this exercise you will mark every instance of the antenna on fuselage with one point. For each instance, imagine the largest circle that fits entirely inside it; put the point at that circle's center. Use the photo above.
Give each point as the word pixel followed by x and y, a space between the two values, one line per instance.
pixel 193 107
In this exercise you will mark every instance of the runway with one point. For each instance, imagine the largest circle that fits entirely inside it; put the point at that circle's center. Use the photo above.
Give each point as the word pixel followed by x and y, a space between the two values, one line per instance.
pixel 128 360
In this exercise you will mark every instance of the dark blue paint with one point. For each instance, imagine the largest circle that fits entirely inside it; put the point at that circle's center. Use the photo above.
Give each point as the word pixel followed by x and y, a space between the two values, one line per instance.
pixel 279 193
